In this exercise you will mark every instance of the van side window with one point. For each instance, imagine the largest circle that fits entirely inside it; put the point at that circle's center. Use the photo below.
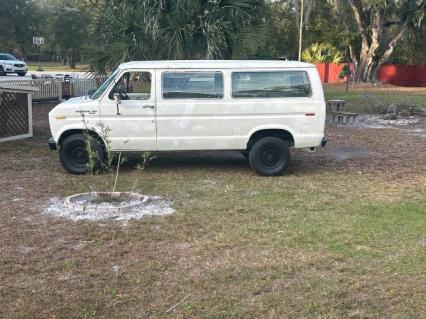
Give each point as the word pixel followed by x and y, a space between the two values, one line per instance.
pixel 270 84
pixel 192 85
pixel 133 86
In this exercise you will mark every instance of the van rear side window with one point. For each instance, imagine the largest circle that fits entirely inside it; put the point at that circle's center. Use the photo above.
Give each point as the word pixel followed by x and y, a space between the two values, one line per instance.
pixel 270 84
pixel 192 85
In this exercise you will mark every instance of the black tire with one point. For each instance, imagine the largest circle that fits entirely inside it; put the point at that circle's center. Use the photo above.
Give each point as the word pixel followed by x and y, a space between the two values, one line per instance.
pixel 22 73
pixel 2 73
pixel 270 156
pixel 245 153
pixel 74 156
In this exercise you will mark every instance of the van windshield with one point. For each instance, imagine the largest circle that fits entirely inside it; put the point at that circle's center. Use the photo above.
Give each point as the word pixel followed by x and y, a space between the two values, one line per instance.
pixel 96 95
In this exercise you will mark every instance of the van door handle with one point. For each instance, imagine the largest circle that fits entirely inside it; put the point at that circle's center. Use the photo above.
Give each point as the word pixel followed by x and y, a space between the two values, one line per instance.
pixel 148 106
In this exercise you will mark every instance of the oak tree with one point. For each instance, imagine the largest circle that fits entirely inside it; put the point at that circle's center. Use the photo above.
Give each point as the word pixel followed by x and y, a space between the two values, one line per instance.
pixel 381 24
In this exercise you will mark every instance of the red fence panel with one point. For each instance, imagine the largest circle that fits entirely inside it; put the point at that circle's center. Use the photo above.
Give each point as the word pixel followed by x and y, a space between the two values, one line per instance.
pixel 329 72
pixel 396 74
pixel 402 74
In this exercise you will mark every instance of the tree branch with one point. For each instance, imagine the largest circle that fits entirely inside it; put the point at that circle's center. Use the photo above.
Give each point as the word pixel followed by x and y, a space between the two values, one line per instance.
pixel 357 15
pixel 392 44
pixel 359 22
pixel 353 55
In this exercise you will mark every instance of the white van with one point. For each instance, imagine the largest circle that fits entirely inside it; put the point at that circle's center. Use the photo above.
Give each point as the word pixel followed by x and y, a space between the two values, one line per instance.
pixel 261 108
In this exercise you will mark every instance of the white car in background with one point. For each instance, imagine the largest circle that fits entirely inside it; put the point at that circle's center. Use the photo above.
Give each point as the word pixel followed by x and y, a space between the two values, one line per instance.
pixel 10 64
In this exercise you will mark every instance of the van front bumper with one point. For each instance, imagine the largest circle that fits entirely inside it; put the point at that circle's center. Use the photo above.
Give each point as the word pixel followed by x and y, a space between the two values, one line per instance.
pixel 52 144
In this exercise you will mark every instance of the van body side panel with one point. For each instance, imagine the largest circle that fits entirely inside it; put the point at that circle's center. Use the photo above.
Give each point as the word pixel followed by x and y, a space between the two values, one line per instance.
pixel 228 123
pixel 195 124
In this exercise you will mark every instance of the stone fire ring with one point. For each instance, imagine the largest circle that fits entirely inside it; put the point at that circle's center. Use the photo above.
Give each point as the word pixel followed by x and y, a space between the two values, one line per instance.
pixel 81 202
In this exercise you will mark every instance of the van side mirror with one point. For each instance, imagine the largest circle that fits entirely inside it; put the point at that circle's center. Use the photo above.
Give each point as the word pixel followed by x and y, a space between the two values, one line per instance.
pixel 117 99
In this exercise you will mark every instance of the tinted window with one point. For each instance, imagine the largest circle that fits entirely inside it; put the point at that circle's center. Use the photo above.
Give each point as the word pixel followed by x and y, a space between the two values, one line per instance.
pixel 133 86
pixel 192 85
pixel 7 57
pixel 270 84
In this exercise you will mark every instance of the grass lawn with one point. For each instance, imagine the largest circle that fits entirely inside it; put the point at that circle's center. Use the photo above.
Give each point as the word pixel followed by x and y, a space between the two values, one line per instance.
pixel 54 67
pixel 362 97
pixel 342 235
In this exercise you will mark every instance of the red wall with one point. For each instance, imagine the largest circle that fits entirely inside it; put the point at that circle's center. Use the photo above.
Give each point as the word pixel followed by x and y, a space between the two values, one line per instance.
pixel 402 74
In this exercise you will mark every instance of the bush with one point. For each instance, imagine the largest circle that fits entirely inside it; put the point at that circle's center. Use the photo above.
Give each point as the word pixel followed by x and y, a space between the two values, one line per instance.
pixel 322 53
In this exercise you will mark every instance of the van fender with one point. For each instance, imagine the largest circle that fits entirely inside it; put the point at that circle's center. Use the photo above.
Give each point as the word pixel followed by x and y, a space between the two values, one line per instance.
pixel 66 128
pixel 271 127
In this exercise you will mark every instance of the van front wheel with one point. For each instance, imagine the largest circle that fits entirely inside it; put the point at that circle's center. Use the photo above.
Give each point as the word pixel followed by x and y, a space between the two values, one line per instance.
pixel 269 156
pixel 74 155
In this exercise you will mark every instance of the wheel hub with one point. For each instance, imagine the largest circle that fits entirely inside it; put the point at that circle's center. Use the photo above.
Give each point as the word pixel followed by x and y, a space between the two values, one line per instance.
pixel 79 155
pixel 270 157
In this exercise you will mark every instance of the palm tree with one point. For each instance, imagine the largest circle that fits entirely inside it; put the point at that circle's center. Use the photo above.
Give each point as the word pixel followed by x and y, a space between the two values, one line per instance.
pixel 173 29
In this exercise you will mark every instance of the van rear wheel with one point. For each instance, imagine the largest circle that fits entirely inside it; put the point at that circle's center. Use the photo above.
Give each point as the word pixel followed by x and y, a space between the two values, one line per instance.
pixel 74 156
pixel 269 156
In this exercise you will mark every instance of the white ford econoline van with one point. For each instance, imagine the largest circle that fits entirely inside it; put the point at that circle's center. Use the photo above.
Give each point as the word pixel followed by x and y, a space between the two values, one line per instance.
pixel 261 108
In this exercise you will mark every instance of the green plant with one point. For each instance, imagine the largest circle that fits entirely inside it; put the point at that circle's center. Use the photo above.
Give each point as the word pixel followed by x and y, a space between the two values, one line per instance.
pixel 346 72
pixel 146 158
pixel 96 164
pixel 94 159
pixel 322 53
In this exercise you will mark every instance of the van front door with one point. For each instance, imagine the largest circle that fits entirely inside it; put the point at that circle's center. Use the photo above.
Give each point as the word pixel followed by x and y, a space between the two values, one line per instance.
pixel 130 121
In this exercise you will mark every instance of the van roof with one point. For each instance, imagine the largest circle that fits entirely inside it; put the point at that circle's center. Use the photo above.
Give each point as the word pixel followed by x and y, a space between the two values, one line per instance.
pixel 215 64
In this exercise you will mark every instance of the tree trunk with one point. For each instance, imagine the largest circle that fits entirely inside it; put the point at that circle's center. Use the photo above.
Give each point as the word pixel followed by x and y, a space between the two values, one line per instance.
pixel 374 50
pixel 71 58
pixel 63 57
pixel 371 58
pixel 366 70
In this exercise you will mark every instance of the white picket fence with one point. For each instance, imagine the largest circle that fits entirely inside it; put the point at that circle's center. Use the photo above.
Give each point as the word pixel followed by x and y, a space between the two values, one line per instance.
pixel 50 89
pixel 81 87
pixel 55 89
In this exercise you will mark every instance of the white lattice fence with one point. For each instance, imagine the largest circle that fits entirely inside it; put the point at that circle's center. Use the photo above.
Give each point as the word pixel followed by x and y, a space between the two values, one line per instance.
pixel 15 112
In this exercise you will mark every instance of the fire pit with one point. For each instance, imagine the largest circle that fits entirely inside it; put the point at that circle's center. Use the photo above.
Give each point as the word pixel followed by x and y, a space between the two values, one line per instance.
pixel 103 202
pixel 117 206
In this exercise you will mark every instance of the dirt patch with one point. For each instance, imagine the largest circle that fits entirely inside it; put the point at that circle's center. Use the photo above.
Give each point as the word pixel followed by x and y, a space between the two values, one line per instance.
pixel 368 148
pixel 380 121
pixel 410 125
